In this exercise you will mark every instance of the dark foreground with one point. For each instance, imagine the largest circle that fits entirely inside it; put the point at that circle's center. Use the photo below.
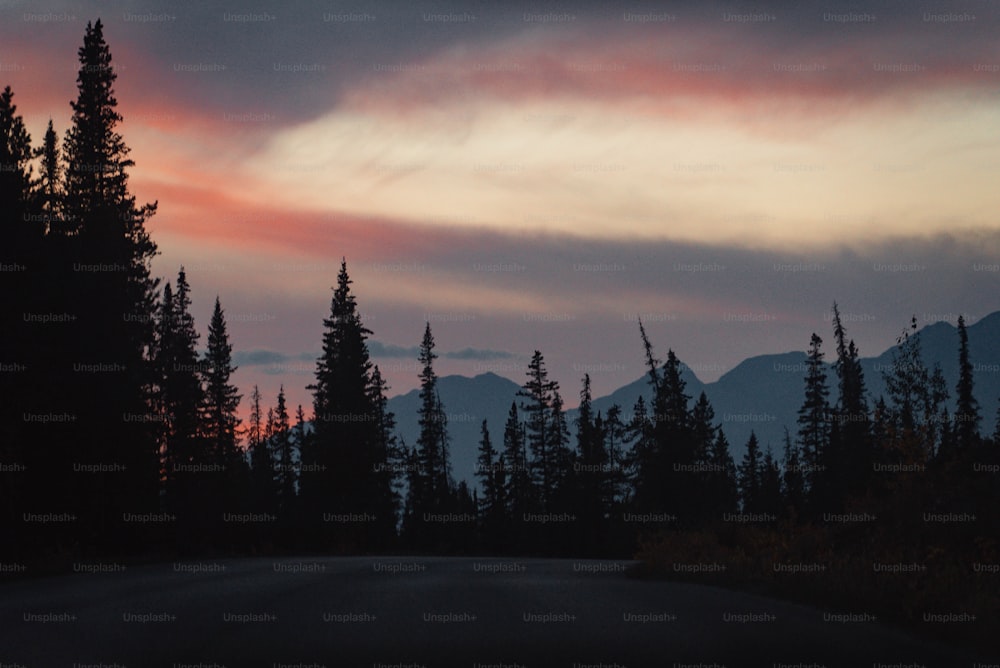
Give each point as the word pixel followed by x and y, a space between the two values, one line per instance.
pixel 407 612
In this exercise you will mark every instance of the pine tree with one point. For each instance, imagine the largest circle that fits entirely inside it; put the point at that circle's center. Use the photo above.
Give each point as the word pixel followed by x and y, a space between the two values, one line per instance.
pixel 48 187
pixel 663 483
pixel 220 421
pixel 432 445
pixel 15 157
pixel 261 457
pixel 539 392
pixel 915 397
pixel 22 344
pixel 792 479
pixel 487 465
pixel 593 482
pixel 563 461
pixel 814 426
pixel 616 435
pixel 116 326
pixel 749 476
pixel 519 493
pixel 181 392
pixel 771 501
pixel 850 464
pixel 724 495
pixel 282 446
pixel 387 459
pixel 341 466
pixel 967 415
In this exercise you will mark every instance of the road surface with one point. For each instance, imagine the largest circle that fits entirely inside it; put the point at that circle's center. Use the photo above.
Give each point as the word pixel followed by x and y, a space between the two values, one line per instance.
pixel 406 612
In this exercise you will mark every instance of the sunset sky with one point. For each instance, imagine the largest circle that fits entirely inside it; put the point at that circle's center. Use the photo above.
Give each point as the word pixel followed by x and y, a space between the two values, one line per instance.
pixel 531 176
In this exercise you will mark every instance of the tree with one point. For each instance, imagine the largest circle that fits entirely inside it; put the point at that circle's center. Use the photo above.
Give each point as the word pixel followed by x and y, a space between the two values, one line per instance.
pixel 220 421
pixel 48 188
pixel 814 425
pixel 724 495
pixel 915 398
pixel 387 459
pixel 281 448
pixel 434 482
pixel 341 468
pixel 181 394
pixel 115 326
pixel 967 415
pixel 749 473
pixel 539 393
pixel 15 157
pixel 792 479
pixel 261 457
pixel 19 255
pixel 664 480
pixel 488 471
pixel 850 463
pixel 519 493
pixel 771 501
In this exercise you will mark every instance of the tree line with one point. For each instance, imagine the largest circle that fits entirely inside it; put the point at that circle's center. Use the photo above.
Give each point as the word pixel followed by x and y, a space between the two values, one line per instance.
pixel 118 435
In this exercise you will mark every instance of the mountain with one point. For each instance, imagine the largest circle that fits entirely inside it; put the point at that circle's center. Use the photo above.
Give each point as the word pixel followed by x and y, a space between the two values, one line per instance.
pixel 762 393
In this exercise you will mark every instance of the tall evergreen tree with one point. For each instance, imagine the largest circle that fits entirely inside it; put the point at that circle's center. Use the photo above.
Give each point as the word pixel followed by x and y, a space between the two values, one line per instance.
pixel 388 458
pixel 220 421
pixel 664 483
pixel 341 468
pixel 593 481
pixel 967 415
pixel 180 381
pixel 749 475
pixel 792 479
pixel 488 471
pixel 519 492
pixel 282 445
pixel 724 489
pixel 261 457
pixel 538 392
pixel 771 500
pixel 48 187
pixel 432 445
pixel 850 463
pixel 112 255
pixel 915 395
pixel 814 426
pixel 19 255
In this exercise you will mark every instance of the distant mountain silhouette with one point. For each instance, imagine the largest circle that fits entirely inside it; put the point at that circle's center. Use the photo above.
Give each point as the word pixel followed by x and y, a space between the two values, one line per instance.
pixel 762 393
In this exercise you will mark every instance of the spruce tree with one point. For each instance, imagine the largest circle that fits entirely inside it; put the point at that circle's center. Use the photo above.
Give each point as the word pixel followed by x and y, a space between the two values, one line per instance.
pixel 115 329
pixel 261 457
pixel 283 462
pixel 22 344
pixel 538 392
pixel 519 492
pixel 487 470
pixel 792 479
pixel 724 495
pixel 220 421
pixel 432 445
pixel 814 426
pixel 967 415
pixel 341 465
pixel 749 476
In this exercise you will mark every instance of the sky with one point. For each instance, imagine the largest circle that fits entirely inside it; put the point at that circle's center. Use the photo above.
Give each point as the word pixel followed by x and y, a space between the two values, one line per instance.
pixel 541 176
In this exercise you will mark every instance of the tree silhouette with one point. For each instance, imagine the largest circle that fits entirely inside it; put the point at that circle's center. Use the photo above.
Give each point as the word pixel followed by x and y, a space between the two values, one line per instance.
pixel 967 416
